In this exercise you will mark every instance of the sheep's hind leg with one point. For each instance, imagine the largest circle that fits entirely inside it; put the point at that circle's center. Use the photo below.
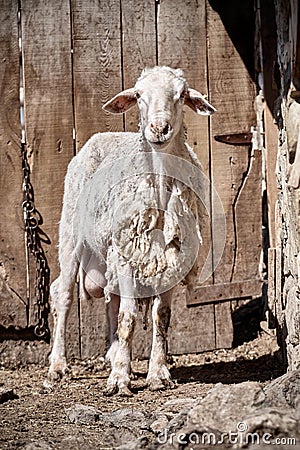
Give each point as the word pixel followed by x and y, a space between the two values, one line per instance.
pixel 62 296
pixel 158 374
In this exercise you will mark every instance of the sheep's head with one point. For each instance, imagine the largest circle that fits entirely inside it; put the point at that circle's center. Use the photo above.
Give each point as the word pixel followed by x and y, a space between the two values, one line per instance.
pixel 161 93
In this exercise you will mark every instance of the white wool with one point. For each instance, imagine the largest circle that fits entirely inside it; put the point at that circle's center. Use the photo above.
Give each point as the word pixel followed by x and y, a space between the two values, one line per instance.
pixel 131 223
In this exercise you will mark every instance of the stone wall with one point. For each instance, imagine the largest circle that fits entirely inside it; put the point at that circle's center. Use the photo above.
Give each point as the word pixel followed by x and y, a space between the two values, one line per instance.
pixel 287 219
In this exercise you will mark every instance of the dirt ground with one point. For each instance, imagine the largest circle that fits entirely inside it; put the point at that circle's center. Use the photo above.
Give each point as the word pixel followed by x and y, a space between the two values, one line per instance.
pixel 36 418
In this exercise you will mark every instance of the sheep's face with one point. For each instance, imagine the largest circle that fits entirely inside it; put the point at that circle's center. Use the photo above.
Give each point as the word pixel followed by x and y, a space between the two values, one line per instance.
pixel 160 93
pixel 160 96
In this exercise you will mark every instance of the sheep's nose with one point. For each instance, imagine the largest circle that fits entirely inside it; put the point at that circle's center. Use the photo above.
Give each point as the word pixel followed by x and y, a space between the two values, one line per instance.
pixel 160 129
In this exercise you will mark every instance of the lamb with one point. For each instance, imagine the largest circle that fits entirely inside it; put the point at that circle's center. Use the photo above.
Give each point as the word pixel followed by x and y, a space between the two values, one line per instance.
pixel 129 224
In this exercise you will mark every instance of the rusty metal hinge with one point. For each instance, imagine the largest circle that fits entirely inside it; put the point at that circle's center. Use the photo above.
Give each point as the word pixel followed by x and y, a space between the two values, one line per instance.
pixel 234 138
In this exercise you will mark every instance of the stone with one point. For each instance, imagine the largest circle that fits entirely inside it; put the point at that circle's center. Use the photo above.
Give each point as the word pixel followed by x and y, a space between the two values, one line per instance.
pixel 124 428
pixel 160 423
pixel 178 421
pixel 81 414
pixel 178 404
pixel 39 445
pixel 138 444
pixel 127 418
pixel 275 421
pixel 285 390
pixel 224 405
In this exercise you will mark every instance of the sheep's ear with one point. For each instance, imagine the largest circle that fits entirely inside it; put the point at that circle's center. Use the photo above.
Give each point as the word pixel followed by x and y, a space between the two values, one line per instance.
pixel 197 103
pixel 121 102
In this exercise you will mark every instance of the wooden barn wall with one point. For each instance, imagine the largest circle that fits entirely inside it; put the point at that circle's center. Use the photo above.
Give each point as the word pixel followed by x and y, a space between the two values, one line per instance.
pixel 76 55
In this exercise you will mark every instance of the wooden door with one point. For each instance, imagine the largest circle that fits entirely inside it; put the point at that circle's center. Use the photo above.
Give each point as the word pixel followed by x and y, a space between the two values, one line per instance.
pixel 78 54
pixel 235 170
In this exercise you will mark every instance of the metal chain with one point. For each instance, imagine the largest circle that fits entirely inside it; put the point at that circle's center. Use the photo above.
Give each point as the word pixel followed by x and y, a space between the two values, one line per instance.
pixel 34 238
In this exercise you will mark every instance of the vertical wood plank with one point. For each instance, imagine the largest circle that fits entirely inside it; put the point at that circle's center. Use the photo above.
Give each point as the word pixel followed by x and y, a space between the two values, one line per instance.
pixel 138 46
pixel 93 327
pixel 224 326
pixel 12 249
pixel 138 51
pixel 97 78
pixel 191 330
pixel 268 35
pixel 249 222
pixel 182 44
pixel 49 117
pixel 232 92
pixel 97 66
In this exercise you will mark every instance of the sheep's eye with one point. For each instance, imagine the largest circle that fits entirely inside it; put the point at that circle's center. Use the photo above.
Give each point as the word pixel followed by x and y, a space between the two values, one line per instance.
pixel 182 95
pixel 137 95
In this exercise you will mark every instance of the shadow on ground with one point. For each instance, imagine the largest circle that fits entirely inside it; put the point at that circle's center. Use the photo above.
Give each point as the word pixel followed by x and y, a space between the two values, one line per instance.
pixel 264 368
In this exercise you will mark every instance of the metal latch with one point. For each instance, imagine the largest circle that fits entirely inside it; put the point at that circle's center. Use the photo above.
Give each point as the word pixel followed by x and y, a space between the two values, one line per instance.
pixel 234 138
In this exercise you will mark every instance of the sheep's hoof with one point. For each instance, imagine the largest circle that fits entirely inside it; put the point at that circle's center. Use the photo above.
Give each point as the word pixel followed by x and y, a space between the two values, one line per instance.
pixel 111 390
pixel 159 384
pixel 159 378
pixel 47 385
pixel 57 370
pixel 123 391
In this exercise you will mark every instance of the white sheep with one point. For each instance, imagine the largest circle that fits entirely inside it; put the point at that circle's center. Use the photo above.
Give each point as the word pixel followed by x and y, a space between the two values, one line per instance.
pixel 129 222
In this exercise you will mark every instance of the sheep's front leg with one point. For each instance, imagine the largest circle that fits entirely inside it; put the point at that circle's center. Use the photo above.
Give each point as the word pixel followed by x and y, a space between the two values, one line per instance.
pixel 61 292
pixel 119 379
pixel 158 374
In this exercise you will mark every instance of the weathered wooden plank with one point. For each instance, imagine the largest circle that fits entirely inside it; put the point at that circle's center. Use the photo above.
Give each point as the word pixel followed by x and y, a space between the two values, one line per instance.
pixel 12 247
pixel 249 221
pixel 215 293
pixel 224 325
pixel 182 44
pixel 93 328
pixel 232 92
pixel 138 46
pixel 97 77
pixel 191 330
pixel 97 66
pixel 268 37
pixel 49 116
pixel 142 339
